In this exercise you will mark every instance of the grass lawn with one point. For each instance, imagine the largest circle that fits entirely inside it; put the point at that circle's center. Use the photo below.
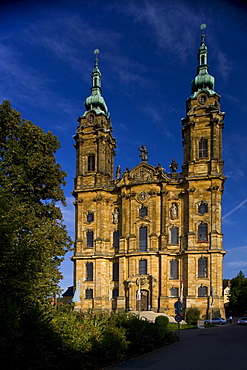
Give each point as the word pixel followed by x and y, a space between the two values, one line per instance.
pixel 182 326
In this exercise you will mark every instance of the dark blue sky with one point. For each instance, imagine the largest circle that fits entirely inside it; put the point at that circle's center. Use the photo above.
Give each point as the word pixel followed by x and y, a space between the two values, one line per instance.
pixel 148 57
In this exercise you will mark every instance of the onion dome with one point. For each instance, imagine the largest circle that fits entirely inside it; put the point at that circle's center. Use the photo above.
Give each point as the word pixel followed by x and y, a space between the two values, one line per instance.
pixel 96 101
pixel 203 80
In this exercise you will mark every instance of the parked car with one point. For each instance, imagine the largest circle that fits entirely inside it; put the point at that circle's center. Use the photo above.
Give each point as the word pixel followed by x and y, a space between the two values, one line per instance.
pixel 242 321
pixel 215 320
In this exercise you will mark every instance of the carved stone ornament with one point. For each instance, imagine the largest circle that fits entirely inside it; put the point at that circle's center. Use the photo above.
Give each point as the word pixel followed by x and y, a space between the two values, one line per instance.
pixel 141 281
pixel 142 196
pixel 142 176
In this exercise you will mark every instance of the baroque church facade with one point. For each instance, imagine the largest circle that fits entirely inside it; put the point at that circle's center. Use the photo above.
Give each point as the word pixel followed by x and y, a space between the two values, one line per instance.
pixel 147 238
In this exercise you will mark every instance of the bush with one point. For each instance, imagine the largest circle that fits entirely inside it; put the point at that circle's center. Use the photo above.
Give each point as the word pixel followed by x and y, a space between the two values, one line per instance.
pixel 111 346
pixel 26 338
pixel 162 321
pixel 143 336
pixel 60 339
pixel 192 315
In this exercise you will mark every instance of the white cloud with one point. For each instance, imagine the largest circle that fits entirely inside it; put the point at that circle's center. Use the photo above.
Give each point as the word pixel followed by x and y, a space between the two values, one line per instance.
pixel 240 205
pixel 234 261
pixel 169 25
pixel 237 264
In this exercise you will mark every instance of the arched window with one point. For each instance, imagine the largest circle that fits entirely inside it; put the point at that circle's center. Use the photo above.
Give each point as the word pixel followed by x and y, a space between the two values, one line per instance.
pixel 202 208
pixel 203 232
pixel 89 294
pixel 174 292
pixel 143 266
pixel 203 148
pixel 203 267
pixel 203 291
pixel 174 269
pixel 143 211
pixel 90 217
pixel 143 241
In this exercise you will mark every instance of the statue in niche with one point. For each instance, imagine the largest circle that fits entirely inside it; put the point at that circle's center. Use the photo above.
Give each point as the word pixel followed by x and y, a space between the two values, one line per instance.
pixel 173 166
pixel 115 215
pixel 144 153
pixel 174 211
pixel 118 172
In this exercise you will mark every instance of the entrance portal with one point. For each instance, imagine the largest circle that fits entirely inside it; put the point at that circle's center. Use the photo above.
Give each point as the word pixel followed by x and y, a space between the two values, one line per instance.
pixel 142 304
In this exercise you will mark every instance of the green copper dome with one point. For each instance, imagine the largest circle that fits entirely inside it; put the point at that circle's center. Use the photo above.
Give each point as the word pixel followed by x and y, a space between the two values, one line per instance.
pixel 96 101
pixel 203 80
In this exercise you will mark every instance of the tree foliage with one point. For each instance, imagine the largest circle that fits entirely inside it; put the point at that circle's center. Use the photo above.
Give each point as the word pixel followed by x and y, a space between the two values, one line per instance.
pixel 238 294
pixel 33 239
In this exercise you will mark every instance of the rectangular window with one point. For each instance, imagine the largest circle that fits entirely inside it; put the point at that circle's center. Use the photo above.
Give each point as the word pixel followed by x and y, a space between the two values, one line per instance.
pixel 89 271
pixel 89 294
pixel 115 293
pixel 174 235
pixel 174 269
pixel 203 233
pixel 115 272
pixel 116 235
pixel 90 239
pixel 143 242
pixel 202 267
pixel 203 148
pixel 143 266
pixel 203 291
pixel 91 163
pixel 174 292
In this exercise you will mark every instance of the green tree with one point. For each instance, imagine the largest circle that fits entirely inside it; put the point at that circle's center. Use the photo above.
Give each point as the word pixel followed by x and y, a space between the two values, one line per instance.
pixel 238 294
pixel 33 239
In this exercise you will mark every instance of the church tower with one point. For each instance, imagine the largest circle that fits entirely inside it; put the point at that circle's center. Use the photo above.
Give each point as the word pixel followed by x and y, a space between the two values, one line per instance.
pixel 149 238
pixel 95 153
pixel 94 142
pixel 203 173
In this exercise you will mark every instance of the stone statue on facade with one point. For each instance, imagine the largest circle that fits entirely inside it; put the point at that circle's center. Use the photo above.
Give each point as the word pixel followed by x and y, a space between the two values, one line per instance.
pixel 115 216
pixel 118 172
pixel 174 211
pixel 144 153
pixel 173 166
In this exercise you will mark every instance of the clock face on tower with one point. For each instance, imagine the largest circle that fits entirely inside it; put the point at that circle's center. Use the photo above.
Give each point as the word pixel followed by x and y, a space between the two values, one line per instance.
pixel 90 118
pixel 202 98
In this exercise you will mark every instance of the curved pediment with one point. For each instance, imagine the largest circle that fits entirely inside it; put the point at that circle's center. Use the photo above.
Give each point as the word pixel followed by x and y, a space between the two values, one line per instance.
pixel 143 173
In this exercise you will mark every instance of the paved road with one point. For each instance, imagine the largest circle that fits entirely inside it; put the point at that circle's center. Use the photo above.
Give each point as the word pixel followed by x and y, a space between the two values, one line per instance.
pixel 223 347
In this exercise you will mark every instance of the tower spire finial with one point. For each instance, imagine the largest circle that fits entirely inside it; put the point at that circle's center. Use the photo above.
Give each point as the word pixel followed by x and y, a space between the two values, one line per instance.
pixel 203 80
pixel 203 26
pixel 96 52
pixel 96 101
